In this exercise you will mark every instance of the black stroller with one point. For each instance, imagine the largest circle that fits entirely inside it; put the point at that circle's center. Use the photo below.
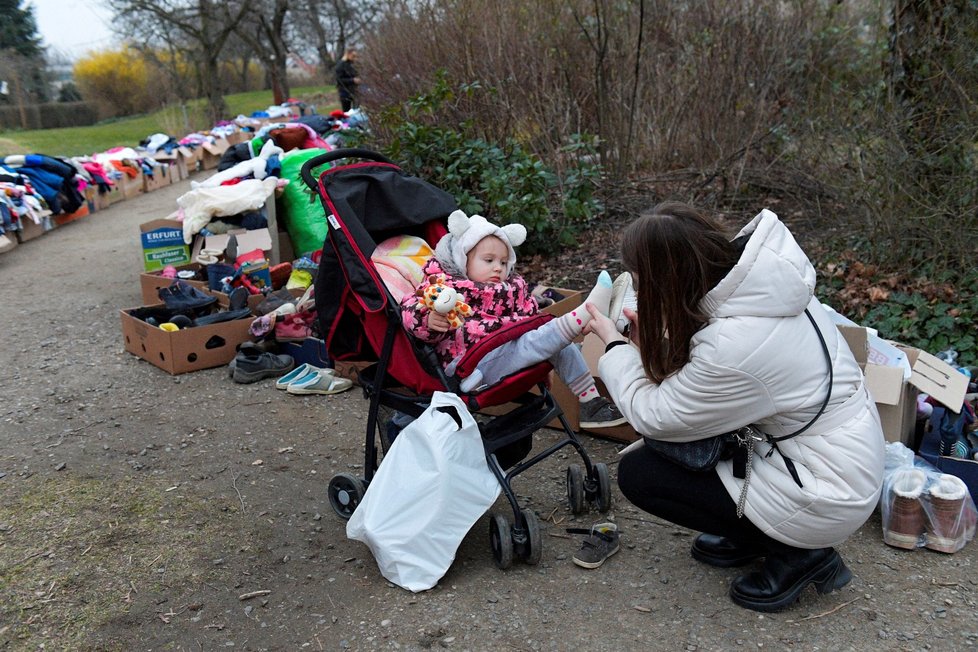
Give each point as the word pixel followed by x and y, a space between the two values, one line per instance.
pixel 368 199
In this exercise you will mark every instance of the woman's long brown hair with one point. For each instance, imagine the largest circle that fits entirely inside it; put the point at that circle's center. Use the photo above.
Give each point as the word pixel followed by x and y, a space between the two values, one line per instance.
pixel 675 255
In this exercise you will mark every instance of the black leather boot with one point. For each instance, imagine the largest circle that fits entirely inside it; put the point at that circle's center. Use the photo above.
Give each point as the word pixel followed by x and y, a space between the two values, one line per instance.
pixel 785 575
pixel 722 552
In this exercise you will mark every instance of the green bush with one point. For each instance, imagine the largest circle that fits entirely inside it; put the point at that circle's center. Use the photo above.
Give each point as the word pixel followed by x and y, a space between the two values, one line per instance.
pixel 50 115
pixel 933 313
pixel 504 181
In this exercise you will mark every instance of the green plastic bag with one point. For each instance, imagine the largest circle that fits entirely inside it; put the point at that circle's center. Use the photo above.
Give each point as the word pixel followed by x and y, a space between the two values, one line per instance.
pixel 304 217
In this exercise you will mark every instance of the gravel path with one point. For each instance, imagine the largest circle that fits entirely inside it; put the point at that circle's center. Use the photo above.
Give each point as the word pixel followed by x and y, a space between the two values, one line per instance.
pixel 139 511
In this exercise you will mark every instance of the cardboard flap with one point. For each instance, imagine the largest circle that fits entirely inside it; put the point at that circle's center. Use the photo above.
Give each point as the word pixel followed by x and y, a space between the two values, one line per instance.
pixel 885 384
pixel 855 337
pixel 940 380
pixel 247 240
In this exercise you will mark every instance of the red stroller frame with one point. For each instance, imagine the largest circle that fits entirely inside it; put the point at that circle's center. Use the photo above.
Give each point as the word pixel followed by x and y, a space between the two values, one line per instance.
pixel 366 202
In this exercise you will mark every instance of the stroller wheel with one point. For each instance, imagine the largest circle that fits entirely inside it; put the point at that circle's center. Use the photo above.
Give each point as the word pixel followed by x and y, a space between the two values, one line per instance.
pixel 501 540
pixel 345 493
pixel 602 494
pixel 533 548
pixel 575 488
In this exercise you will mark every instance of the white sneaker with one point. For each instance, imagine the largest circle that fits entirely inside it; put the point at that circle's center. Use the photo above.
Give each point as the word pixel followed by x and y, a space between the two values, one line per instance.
pixel 622 296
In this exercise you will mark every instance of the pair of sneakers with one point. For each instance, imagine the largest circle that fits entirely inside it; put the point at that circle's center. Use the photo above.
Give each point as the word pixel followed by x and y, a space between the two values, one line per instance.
pixel 310 379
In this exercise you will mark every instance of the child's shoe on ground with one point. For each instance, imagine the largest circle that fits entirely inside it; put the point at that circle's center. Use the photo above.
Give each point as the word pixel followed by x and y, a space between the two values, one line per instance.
pixel 601 543
pixel 600 413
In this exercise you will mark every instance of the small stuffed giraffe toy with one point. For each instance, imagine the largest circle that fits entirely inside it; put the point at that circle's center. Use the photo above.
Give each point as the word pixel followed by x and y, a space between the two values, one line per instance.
pixel 445 300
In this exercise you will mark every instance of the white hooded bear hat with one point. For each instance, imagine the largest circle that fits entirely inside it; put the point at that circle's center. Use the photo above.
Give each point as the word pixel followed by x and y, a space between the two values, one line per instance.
pixel 464 233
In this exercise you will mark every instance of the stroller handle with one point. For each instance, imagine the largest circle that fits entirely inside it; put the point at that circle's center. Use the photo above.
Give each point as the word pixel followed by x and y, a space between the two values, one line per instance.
pixel 336 155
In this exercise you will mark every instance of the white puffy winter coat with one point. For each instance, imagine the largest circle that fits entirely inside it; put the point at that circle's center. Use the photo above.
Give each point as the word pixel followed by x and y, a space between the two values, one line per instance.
pixel 758 361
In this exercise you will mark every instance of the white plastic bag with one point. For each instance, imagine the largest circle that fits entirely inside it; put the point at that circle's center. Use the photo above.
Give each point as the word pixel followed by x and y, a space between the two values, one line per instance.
pixel 433 485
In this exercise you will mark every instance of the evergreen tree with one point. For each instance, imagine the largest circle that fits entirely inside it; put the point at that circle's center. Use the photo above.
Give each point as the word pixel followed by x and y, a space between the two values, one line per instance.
pixel 18 29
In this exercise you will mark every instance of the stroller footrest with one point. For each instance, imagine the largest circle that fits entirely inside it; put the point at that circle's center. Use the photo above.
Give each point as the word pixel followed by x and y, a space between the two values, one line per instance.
pixel 473 356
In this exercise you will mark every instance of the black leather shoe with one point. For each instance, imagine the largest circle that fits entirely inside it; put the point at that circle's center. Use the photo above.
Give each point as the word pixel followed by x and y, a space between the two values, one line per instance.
pixel 783 577
pixel 722 552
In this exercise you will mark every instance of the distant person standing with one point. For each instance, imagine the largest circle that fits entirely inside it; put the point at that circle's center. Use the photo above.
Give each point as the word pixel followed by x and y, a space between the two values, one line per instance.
pixel 347 80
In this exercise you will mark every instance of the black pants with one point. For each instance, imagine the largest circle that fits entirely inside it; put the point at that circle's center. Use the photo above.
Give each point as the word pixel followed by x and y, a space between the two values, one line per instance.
pixel 692 499
pixel 347 102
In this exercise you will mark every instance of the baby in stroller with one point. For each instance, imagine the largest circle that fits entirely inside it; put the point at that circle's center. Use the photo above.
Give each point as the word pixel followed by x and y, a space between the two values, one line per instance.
pixel 477 259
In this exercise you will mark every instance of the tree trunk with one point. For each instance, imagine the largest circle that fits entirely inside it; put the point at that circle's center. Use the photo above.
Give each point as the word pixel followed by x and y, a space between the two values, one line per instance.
pixel 216 107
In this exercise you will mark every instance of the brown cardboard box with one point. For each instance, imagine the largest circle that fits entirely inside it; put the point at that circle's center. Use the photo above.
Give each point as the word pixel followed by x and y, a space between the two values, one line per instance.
pixel 895 396
pixel 192 156
pixel 162 177
pixel 131 186
pixel 29 230
pixel 210 153
pixel 64 218
pixel 177 160
pixel 151 282
pixel 189 349
pixel 113 196
pixel 162 244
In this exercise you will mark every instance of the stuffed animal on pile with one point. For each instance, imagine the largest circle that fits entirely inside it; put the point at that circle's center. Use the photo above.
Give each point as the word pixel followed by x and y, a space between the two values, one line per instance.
pixel 445 300
pixel 256 167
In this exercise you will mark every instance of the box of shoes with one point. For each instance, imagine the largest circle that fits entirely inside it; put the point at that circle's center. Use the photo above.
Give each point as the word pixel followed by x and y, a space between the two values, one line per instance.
pixel 185 349
pixel 151 282
pixel 162 243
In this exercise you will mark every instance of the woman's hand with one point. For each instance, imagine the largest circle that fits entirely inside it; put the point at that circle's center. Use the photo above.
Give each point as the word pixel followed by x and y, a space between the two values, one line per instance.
pixel 438 322
pixel 632 318
pixel 601 326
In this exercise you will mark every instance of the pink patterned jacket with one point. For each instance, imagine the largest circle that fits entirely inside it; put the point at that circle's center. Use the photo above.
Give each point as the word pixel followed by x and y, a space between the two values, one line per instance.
pixel 494 305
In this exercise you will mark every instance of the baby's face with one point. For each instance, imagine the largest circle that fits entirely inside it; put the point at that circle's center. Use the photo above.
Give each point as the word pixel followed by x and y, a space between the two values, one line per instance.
pixel 487 261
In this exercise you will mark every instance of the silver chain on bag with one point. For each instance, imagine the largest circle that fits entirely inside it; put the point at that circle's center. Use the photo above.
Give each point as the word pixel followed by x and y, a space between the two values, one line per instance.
pixel 745 439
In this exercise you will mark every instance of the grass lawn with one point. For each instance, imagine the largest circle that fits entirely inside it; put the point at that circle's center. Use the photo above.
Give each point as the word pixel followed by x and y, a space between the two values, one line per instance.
pixel 174 120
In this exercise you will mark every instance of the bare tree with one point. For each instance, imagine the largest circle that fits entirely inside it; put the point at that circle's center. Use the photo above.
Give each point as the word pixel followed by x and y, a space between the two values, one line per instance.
pixel 206 26
pixel 264 30
pixel 334 24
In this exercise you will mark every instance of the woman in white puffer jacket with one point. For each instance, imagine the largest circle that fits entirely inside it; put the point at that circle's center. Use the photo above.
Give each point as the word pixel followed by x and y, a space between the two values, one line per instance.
pixel 724 342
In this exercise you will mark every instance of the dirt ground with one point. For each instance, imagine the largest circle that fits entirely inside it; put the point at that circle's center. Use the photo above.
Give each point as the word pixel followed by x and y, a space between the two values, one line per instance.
pixel 138 510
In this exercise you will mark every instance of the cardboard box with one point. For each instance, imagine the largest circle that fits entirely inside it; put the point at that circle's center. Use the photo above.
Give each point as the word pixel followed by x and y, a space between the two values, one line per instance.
pixel 161 178
pixel 162 243
pixel 65 218
pixel 29 230
pixel 131 186
pixel 113 196
pixel 177 161
pixel 210 153
pixel 192 157
pixel 151 282
pixel 247 241
pixel 593 348
pixel 894 394
pixel 189 349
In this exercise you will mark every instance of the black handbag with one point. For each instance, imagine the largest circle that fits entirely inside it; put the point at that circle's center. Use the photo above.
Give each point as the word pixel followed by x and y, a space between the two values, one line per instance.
pixel 704 454
pixel 698 455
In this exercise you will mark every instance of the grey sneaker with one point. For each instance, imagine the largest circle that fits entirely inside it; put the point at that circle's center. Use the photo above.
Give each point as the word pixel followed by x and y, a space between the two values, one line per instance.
pixel 251 366
pixel 622 296
pixel 600 413
pixel 602 542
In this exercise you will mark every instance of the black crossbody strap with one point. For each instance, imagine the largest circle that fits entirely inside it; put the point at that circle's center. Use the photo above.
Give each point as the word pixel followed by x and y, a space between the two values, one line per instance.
pixel 774 440
pixel 828 395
